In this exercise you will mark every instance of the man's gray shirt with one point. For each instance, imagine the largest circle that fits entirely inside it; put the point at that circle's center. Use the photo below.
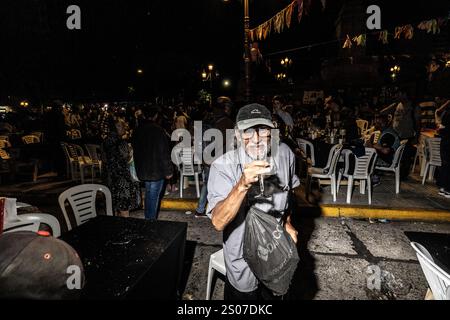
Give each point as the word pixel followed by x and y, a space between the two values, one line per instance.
pixel 224 175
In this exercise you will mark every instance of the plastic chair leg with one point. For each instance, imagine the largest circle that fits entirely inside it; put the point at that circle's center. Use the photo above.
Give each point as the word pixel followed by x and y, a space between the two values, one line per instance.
pixel 369 189
pixel 209 283
pixel 181 186
pixel 338 185
pixel 397 180
pixel 333 188
pixel 349 189
pixel 362 186
pixel 197 185
pixel 427 166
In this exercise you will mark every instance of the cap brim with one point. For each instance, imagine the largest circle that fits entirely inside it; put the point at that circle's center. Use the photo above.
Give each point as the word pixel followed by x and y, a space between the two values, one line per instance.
pixel 245 124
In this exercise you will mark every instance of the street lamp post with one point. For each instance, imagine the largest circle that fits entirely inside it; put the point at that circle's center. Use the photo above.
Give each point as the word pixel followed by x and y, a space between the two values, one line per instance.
pixel 247 52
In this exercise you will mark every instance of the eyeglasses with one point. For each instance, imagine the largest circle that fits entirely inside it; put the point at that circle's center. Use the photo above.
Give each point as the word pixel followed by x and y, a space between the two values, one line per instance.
pixel 249 133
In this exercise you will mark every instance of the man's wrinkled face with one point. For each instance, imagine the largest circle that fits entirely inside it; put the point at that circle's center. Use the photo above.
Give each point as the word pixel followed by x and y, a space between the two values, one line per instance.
pixel 256 141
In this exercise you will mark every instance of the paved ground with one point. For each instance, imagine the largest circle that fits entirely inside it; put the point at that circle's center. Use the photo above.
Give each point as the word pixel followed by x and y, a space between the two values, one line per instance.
pixel 335 257
pixel 412 195
pixel 335 253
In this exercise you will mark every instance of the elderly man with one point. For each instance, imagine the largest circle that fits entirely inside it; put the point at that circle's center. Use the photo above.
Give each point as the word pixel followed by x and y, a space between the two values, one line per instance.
pixel 231 178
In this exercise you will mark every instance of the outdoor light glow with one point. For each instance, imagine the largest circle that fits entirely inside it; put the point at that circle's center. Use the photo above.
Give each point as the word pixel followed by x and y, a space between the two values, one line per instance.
pixel 210 67
pixel 447 64
pixel 226 83
pixel 204 75
pixel 140 71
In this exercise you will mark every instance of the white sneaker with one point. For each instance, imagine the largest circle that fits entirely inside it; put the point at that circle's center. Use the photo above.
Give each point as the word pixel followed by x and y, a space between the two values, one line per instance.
pixel 441 192
pixel 447 195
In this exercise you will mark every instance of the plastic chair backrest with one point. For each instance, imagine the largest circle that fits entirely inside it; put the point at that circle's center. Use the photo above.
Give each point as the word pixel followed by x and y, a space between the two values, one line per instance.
pixel 4 155
pixel 218 261
pixel 398 156
pixel 365 165
pixel 331 154
pixel 308 148
pixel 362 125
pixel 37 134
pixel 335 159
pixel 4 144
pixel 82 201
pixel 433 147
pixel 94 151
pixel 71 152
pixel 187 160
pixel 19 225
pixel 4 138
pixel 43 218
pixel 437 278
pixel 30 139
pixel 376 136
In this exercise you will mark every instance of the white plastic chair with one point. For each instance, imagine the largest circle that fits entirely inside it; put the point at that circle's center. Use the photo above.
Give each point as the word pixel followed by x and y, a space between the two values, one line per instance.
pixel 216 263
pixel 188 169
pixel 30 139
pixel 395 166
pixel 363 125
pixel 83 162
pixel 438 279
pixel 76 161
pixel 433 160
pixel 47 219
pixel 363 170
pixel 21 225
pixel 95 152
pixel 82 201
pixel 4 144
pixel 374 136
pixel 308 149
pixel 38 134
pixel 327 173
pixel 4 138
pixel 420 155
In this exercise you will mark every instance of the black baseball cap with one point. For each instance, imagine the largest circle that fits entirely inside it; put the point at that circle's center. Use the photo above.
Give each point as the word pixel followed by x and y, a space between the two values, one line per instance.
pixel 253 115
pixel 36 267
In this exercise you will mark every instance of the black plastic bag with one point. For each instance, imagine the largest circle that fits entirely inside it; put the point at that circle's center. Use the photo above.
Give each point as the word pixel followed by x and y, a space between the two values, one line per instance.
pixel 269 251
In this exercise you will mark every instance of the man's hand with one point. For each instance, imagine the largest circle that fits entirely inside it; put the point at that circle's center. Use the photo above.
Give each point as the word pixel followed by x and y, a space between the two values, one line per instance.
pixel 291 230
pixel 251 172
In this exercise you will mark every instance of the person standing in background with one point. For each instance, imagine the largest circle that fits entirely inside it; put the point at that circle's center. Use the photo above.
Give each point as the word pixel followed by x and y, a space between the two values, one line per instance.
pixel 152 160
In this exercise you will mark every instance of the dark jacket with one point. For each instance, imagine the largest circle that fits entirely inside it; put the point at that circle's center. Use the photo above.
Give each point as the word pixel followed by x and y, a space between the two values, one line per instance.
pixel 151 152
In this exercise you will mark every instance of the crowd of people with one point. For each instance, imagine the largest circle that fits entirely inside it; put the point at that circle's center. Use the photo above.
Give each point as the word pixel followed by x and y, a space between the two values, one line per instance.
pixel 146 129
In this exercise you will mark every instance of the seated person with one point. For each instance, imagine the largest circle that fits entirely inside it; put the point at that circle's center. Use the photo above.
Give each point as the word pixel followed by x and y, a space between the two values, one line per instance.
pixel 388 142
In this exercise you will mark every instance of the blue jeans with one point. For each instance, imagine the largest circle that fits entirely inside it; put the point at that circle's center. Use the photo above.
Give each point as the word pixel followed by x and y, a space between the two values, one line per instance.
pixel 153 191
pixel 201 207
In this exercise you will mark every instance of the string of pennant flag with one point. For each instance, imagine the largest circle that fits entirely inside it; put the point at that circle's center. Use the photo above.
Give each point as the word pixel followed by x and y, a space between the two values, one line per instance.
pixel 432 26
pixel 281 20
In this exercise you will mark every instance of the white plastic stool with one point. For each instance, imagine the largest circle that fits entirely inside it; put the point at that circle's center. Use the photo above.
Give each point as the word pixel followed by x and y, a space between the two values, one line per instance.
pixel 216 263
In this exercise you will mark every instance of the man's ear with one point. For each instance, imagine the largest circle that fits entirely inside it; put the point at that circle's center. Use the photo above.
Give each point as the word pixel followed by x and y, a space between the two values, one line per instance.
pixel 238 135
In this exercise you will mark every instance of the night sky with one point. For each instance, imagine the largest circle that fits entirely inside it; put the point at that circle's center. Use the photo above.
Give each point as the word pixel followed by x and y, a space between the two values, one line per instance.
pixel 171 41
